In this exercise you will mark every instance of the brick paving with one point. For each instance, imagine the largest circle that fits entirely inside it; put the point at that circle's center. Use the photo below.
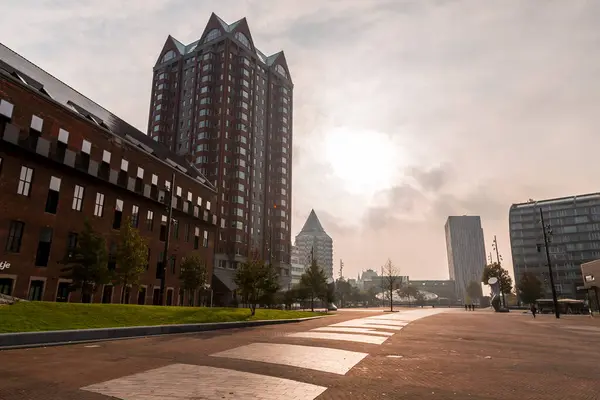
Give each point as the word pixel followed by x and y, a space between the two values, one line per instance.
pixel 454 355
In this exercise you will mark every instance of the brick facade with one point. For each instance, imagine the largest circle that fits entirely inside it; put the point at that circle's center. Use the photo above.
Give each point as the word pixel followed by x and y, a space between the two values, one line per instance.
pixel 80 149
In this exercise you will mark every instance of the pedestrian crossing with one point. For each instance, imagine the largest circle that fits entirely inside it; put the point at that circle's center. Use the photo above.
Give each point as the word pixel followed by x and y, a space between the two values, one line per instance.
pixel 187 381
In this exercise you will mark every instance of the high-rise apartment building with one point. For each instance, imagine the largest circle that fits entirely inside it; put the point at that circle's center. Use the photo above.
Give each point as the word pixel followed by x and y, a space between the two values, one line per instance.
pixel 575 239
pixel 466 252
pixel 228 107
pixel 313 241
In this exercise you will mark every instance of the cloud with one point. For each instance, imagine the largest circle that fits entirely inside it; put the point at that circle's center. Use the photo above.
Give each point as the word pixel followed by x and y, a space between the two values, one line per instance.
pixel 491 103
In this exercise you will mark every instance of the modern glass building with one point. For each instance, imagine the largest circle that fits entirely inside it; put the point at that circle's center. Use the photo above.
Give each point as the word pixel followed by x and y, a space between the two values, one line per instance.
pixel 575 239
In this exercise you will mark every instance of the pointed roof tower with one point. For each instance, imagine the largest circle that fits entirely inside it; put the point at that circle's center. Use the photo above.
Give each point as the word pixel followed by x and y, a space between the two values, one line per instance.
pixel 312 224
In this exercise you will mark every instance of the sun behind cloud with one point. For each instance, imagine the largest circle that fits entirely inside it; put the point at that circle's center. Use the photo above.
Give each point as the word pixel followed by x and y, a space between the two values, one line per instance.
pixel 365 161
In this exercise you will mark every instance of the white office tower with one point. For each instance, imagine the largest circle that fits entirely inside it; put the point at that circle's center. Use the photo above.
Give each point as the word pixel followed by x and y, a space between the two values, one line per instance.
pixel 313 239
pixel 466 252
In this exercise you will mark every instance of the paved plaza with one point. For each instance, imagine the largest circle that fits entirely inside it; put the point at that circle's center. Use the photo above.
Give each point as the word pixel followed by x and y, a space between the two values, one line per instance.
pixel 413 354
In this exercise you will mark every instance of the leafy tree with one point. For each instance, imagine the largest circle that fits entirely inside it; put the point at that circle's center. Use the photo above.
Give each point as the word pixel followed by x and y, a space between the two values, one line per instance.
pixel 391 281
pixel 87 265
pixel 255 279
pixel 529 288
pixel 496 270
pixel 270 286
pixel 315 281
pixel 343 291
pixel 474 290
pixel 192 274
pixel 409 292
pixel 329 295
pixel 131 258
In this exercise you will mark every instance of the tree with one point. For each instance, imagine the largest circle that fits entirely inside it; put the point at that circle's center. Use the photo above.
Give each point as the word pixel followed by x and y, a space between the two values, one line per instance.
pixel 131 258
pixel 474 290
pixel 409 292
pixel 315 281
pixel 329 296
pixel 496 270
pixel 255 279
pixel 529 288
pixel 87 265
pixel 391 281
pixel 343 291
pixel 192 274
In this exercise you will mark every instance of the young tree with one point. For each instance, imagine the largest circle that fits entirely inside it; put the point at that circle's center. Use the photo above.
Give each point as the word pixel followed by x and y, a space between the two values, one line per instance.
pixel 192 274
pixel 474 291
pixel 315 281
pixel 391 281
pixel 255 279
pixel 329 296
pixel 529 288
pixel 343 291
pixel 87 265
pixel 131 258
pixel 409 292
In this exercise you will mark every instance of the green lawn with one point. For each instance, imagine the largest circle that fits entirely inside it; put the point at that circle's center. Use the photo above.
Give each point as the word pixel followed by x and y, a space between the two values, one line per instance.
pixel 46 316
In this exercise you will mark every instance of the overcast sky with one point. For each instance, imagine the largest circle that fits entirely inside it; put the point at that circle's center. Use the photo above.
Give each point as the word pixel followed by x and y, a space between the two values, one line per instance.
pixel 405 111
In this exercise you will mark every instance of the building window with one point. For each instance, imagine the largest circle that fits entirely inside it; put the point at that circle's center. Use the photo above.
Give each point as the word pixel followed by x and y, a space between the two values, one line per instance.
pixel 25 178
pixel 205 241
pixel 15 235
pixel 99 207
pixel 135 216
pixel 212 35
pixel 243 39
pixel 150 220
pixel 176 228
pixel 186 234
pixel 36 289
pixel 71 244
pixel 53 194
pixel 43 249
pixel 196 238
pixel 78 198
pixel 163 228
pixel 118 214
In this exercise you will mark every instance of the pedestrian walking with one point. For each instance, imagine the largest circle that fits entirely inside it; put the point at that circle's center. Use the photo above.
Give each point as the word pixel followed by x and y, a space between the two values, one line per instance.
pixel 533 310
pixel 466 307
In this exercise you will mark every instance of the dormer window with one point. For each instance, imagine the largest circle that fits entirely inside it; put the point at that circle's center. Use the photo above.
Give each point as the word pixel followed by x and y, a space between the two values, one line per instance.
pixel 212 35
pixel 169 55
pixel 242 39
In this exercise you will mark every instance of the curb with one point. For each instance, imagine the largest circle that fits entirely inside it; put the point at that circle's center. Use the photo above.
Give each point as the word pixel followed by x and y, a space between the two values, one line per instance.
pixel 60 338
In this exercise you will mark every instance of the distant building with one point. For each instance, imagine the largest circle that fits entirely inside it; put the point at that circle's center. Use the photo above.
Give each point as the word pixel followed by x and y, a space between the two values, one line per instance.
pixel 445 289
pixel 575 224
pixel 314 241
pixel 466 251
pixel 297 268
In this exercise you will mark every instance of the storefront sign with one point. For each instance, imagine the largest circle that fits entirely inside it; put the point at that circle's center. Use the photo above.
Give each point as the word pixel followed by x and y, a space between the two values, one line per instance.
pixel 4 265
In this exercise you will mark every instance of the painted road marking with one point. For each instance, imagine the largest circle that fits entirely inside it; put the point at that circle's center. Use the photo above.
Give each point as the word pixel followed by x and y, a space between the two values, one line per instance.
pixel 353 330
pixel 349 337
pixel 309 357
pixel 359 324
pixel 187 382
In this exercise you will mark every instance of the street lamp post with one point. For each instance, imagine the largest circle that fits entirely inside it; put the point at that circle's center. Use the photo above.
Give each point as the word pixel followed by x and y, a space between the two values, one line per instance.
pixel 163 272
pixel 547 231
pixel 499 258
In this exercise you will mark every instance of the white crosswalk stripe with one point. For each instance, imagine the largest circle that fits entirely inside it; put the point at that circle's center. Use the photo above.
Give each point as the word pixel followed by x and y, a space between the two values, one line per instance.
pixel 188 382
pixel 310 357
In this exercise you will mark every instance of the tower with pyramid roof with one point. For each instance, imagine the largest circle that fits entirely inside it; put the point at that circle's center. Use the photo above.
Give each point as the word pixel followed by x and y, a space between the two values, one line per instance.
pixel 314 241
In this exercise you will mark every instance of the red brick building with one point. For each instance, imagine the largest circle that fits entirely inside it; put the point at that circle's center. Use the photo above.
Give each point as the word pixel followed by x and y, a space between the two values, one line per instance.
pixel 229 107
pixel 64 159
